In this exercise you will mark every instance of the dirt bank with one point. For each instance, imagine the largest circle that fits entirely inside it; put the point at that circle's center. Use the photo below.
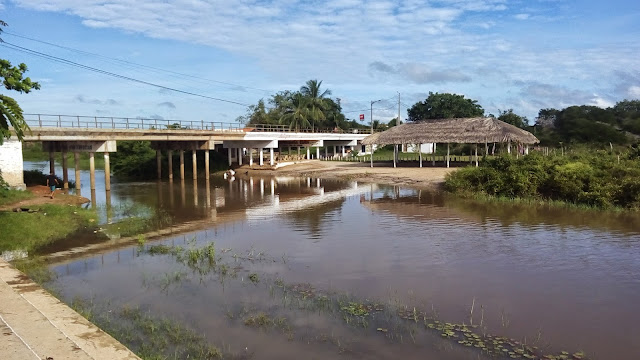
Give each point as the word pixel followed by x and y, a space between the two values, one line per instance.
pixel 431 177
pixel 41 196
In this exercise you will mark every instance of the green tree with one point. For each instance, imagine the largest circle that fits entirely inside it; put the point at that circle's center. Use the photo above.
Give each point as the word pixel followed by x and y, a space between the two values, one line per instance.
pixel 297 114
pixel 317 101
pixel 514 119
pixel 444 106
pixel 10 111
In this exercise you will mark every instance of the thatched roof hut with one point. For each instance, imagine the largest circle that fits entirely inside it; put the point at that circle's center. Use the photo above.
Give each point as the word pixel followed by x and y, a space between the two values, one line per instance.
pixel 466 130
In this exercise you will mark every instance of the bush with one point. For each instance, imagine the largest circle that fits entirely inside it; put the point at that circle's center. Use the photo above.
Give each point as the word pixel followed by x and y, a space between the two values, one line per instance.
pixel 594 178
pixel 37 177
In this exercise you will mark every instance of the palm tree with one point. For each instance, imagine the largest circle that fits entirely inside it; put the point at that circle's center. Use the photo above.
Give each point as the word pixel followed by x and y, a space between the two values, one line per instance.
pixel 297 114
pixel 317 103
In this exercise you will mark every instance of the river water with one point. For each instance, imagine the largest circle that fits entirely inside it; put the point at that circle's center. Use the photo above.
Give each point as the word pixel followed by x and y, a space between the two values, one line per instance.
pixel 562 280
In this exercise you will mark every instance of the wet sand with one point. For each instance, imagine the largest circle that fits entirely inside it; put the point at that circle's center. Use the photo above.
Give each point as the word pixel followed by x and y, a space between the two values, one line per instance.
pixel 383 173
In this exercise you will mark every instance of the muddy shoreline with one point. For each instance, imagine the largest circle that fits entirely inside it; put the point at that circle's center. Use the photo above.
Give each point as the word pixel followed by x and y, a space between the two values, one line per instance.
pixel 382 173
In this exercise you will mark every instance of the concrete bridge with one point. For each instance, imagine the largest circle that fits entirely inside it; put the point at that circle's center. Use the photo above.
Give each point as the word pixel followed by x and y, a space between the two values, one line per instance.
pixel 242 144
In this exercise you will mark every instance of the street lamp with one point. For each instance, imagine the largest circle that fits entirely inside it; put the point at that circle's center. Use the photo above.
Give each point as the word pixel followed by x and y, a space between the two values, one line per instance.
pixel 372 102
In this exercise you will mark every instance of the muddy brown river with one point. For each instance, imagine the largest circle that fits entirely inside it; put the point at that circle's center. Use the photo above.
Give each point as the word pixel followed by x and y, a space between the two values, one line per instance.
pixel 556 279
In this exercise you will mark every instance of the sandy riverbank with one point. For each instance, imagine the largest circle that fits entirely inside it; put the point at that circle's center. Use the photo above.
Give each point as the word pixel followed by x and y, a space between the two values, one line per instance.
pixel 41 197
pixel 431 177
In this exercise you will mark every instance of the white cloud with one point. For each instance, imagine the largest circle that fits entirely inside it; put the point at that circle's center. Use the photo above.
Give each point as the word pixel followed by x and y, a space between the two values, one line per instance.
pixel 634 92
pixel 522 16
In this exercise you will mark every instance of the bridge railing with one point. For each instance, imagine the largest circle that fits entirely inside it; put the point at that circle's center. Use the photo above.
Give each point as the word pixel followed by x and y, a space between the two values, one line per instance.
pixel 103 122
pixel 106 122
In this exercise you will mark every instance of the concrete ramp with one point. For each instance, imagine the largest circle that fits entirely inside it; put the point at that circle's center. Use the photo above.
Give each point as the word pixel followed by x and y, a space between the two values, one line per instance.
pixel 36 325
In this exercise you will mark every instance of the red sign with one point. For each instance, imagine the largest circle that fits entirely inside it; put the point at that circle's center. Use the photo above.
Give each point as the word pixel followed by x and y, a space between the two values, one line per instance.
pixel 361 116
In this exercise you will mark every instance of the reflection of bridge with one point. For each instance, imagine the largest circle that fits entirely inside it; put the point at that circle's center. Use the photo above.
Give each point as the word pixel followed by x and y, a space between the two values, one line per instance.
pixel 64 133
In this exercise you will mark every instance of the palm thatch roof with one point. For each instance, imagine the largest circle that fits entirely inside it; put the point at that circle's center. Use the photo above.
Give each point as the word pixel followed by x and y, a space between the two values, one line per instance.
pixel 465 130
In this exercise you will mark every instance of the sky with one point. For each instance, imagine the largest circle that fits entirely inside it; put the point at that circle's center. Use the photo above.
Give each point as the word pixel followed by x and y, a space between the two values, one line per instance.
pixel 524 55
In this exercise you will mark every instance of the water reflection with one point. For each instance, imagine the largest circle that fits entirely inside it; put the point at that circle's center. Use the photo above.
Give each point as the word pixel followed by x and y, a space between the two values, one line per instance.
pixel 574 275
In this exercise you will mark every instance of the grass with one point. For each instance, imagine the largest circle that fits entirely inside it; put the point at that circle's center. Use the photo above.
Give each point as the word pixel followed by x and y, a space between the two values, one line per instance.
pixel 150 337
pixel 8 197
pixel 48 223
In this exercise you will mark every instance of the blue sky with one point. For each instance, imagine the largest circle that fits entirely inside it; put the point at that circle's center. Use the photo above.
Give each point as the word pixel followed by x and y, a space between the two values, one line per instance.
pixel 524 55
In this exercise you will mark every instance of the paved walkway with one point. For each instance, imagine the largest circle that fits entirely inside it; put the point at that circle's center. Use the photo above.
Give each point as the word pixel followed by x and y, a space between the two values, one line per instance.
pixel 36 325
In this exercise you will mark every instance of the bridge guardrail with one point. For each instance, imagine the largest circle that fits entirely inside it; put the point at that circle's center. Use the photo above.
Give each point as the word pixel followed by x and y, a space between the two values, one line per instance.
pixel 107 122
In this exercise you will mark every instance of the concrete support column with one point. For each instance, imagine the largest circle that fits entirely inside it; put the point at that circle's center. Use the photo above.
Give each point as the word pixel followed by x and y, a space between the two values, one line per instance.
pixel 326 152
pixel 52 162
pixel 371 155
pixel 447 154
pixel 194 162
pixel 240 156
pixel 207 170
pixel 92 171
pixel 107 172
pixel 229 155
pixel 65 171
pixel 298 148
pixel 343 153
pixel 335 150
pixel 261 154
pixel 170 156
pixel 271 159
pixel 159 163
pixel 250 157
pixel 181 164
pixel 76 160
pixel 317 153
pixel 308 153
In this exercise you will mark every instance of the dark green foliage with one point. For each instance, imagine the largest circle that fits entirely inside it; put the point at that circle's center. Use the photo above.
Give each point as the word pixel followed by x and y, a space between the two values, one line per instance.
pixel 588 178
pixel 444 106
pixel 37 177
pixel 134 160
pixel 514 119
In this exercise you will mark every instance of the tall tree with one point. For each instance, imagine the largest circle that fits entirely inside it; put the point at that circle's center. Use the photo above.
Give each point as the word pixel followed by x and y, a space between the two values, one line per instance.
pixel 317 101
pixel 297 114
pixel 10 111
pixel 514 119
pixel 444 106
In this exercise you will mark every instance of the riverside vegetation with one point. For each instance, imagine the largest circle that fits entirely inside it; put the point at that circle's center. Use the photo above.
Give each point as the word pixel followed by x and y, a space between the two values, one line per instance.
pixel 598 179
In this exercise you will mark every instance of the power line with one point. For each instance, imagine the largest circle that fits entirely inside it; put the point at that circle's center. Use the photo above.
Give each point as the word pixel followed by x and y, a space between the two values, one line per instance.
pixel 135 64
pixel 108 73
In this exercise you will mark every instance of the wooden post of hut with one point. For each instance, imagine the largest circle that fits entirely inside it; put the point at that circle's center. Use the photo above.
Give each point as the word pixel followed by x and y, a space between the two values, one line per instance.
pixel 476 155
pixel 447 155
pixel 509 146
pixel 420 153
pixel 433 154
pixel 395 154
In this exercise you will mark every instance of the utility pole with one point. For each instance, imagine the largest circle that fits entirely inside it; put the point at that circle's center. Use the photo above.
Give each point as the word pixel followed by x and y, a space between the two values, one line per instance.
pixel 375 101
pixel 399 120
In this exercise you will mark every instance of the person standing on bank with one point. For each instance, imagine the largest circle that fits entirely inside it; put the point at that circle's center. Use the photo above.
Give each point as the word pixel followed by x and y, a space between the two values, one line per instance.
pixel 51 183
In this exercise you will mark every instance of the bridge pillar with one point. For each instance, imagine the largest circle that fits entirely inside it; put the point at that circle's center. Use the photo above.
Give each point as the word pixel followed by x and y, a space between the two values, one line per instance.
pixel 65 171
pixel 261 161
pixel 76 161
pixel 335 151
pixel 107 174
pixel 317 153
pixel 92 171
pixel 229 153
pixel 159 163
pixel 170 156
pixel 195 165
pixel 308 153
pixel 343 154
pixel 250 157
pixel 181 164
pixel 52 162
pixel 206 165
pixel 271 156
pixel 326 152
pixel 240 150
